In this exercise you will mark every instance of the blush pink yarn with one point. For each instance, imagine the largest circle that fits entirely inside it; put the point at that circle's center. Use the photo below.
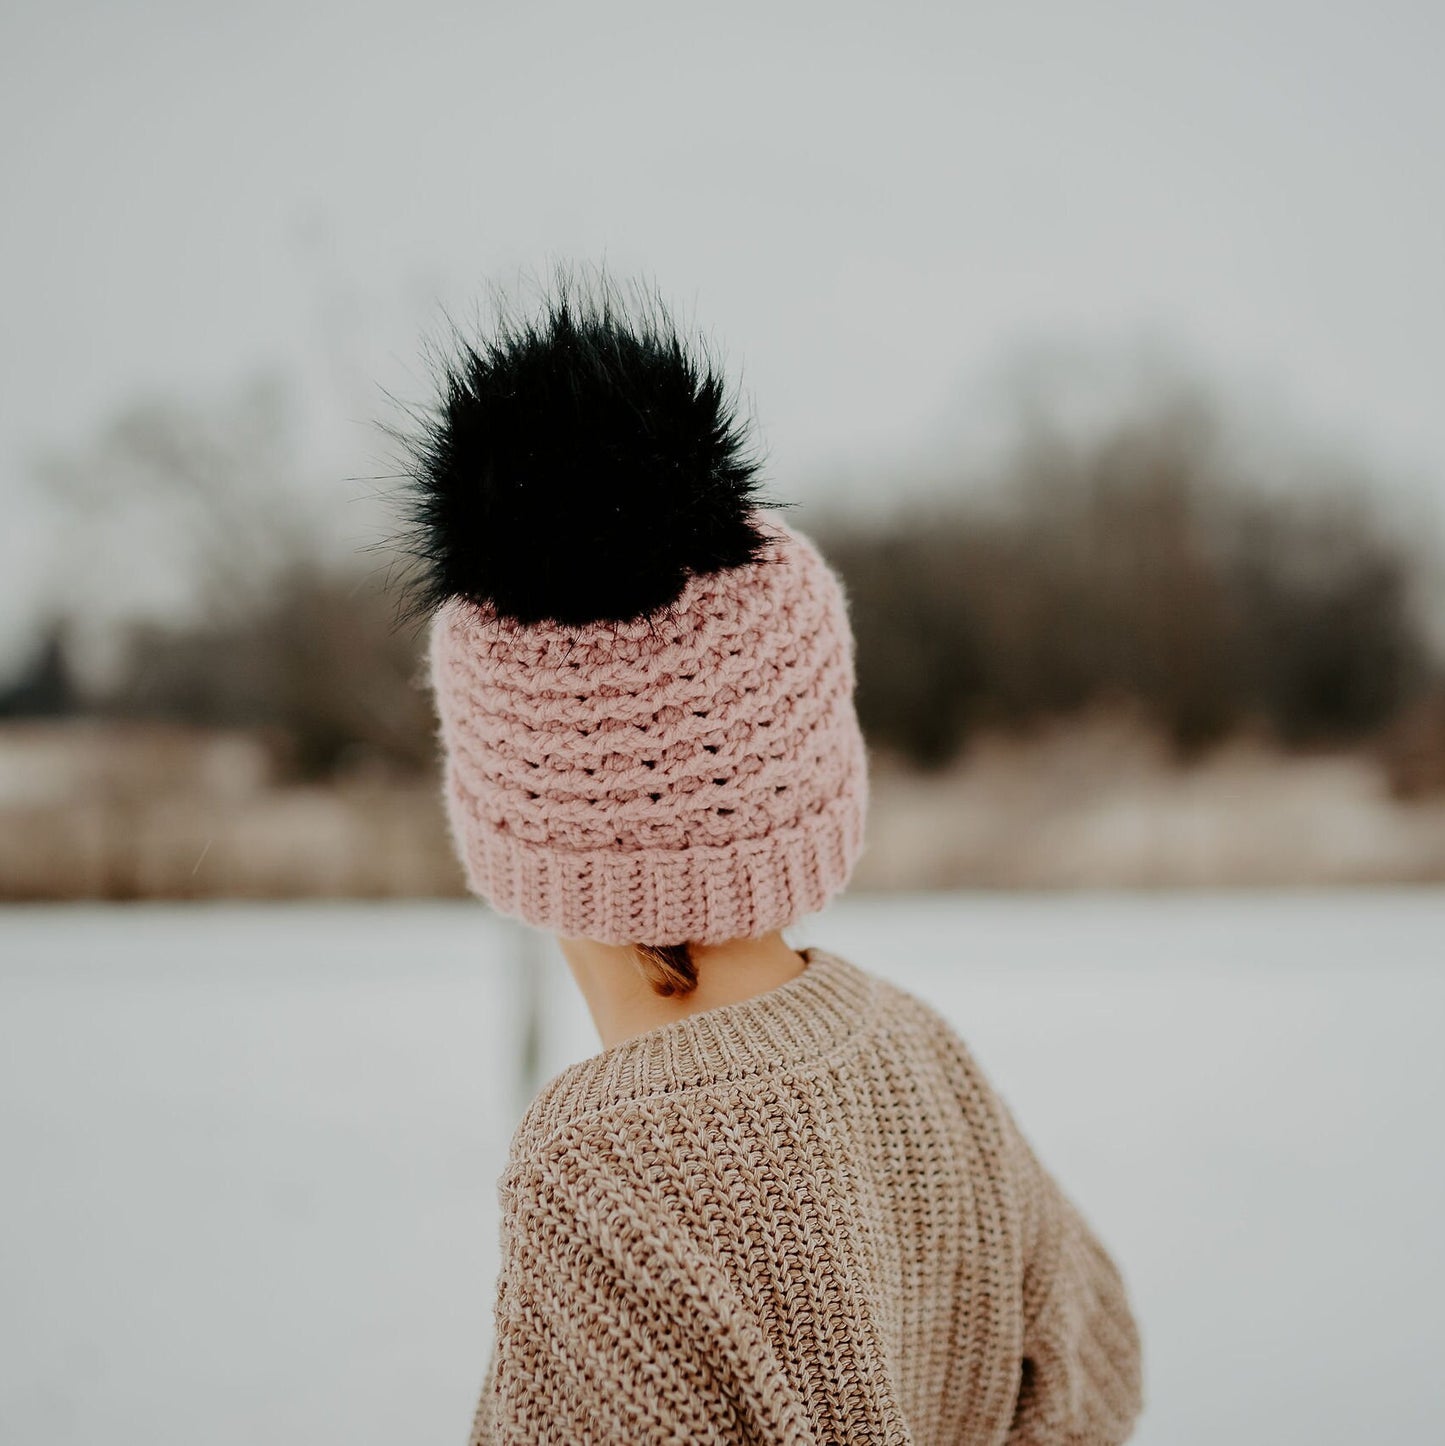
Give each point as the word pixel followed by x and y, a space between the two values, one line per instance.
pixel 694 777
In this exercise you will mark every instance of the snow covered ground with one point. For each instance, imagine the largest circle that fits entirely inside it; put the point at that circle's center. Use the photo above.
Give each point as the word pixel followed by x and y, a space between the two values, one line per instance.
pixel 248 1153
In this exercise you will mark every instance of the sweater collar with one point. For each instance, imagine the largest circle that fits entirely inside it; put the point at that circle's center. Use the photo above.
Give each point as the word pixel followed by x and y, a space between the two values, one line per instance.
pixel 801 1020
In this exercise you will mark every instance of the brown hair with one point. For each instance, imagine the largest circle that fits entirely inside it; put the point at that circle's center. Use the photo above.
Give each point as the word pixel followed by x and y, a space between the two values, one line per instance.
pixel 669 968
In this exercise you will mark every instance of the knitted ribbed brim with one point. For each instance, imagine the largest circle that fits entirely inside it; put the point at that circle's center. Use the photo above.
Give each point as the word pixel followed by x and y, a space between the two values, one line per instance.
pixel 696 776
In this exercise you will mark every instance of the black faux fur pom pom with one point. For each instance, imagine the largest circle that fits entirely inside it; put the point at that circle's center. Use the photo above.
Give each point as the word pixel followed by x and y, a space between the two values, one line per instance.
pixel 578 467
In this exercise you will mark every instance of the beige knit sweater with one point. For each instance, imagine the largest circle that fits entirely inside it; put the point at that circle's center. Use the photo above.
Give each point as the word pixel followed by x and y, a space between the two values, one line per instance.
pixel 806 1217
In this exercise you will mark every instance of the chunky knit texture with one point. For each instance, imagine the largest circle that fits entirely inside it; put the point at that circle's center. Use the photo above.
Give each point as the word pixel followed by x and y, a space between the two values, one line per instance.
pixel 802 1218
pixel 697 776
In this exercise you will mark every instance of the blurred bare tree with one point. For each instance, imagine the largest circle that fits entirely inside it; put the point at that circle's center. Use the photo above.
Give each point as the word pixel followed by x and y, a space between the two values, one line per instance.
pixel 1141 566
pixel 277 632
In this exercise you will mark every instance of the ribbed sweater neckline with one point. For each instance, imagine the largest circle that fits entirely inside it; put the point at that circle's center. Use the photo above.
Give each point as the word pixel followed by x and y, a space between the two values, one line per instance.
pixel 802 1019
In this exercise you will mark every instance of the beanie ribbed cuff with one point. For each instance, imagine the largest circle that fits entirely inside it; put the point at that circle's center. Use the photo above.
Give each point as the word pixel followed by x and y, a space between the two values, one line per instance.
pixel 706 894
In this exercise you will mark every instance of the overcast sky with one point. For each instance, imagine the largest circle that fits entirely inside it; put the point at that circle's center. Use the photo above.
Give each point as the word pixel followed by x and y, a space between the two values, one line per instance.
pixel 870 207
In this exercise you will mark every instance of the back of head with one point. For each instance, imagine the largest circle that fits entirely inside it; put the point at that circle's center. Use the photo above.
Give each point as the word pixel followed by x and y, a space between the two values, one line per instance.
pixel 644 682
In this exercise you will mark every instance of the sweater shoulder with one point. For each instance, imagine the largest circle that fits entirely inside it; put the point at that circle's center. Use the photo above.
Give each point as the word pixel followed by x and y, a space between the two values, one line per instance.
pixel 898 1027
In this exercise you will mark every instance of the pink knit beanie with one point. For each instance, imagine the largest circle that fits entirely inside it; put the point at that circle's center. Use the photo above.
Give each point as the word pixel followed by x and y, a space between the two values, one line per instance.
pixel 644 685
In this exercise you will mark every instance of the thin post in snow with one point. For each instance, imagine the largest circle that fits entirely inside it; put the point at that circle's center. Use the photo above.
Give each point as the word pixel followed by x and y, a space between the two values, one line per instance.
pixel 529 955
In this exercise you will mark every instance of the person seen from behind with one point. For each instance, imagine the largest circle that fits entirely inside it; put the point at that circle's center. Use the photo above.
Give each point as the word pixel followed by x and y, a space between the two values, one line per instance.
pixel 783 1203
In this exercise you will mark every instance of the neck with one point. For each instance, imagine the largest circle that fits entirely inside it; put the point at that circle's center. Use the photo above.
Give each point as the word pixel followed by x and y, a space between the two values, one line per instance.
pixel 623 1004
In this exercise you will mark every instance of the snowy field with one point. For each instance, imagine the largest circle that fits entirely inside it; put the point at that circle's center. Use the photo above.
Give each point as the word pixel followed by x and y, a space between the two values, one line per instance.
pixel 248 1153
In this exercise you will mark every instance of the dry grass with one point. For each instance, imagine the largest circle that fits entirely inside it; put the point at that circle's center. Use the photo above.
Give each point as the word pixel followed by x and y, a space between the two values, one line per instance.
pixel 100 812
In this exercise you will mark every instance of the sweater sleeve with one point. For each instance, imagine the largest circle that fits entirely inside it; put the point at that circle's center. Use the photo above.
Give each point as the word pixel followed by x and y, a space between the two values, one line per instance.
pixel 1081 1377
pixel 575 1359
pixel 610 1329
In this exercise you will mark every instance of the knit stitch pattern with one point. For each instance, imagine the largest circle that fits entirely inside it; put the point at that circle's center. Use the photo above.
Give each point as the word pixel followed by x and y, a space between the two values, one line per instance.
pixel 804 1218
pixel 696 776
